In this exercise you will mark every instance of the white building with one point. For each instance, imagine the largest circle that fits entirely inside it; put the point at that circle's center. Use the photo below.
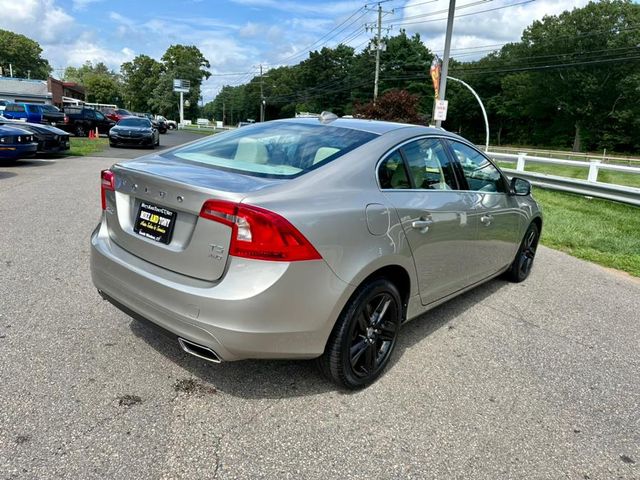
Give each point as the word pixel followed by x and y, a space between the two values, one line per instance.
pixel 25 91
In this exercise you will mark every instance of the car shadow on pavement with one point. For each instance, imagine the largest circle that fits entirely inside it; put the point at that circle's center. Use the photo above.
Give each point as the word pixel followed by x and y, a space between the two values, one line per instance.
pixel 4 175
pixel 272 379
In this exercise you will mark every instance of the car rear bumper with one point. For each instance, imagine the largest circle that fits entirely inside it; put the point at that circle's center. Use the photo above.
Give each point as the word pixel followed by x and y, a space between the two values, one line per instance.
pixel 258 310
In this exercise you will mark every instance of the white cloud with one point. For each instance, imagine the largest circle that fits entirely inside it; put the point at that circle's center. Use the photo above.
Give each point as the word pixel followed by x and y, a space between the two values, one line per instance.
pixel 39 19
pixel 318 8
pixel 494 26
pixel 83 4
pixel 86 49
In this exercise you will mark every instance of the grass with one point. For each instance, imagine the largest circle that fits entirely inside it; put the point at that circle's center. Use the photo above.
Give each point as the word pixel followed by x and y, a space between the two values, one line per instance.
pixel 201 131
pixel 567 153
pixel 619 178
pixel 603 232
pixel 81 147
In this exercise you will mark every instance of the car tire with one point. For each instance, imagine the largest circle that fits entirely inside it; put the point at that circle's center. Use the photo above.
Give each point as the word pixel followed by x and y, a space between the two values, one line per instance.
pixel 79 131
pixel 523 263
pixel 113 145
pixel 362 340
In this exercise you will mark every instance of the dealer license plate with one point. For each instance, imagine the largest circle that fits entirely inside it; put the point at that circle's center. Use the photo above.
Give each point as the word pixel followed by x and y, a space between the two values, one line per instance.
pixel 155 222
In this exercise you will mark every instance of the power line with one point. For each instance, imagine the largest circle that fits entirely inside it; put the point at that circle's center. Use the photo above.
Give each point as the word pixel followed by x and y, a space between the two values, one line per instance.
pixel 305 50
pixel 467 14
pixel 415 5
pixel 437 12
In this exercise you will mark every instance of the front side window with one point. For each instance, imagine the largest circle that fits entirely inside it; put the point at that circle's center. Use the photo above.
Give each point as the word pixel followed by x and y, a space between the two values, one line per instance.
pixel 278 149
pixel 480 173
pixel 429 165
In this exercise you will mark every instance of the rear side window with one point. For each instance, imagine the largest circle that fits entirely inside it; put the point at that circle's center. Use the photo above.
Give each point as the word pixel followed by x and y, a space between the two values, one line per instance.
pixel 429 165
pixel 392 172
pixel 275 149
pixel 15 108
pixel 480 173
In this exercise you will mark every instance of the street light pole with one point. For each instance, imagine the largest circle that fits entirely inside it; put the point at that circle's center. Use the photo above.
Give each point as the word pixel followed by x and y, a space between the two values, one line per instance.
pixel 182 108
pixel 447 49
pixel 261 96
pixel 484 112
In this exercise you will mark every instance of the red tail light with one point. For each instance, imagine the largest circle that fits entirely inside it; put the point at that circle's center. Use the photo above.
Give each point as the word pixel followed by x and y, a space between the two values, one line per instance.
pixel 107 182
pixel 260 234
pixel 66 119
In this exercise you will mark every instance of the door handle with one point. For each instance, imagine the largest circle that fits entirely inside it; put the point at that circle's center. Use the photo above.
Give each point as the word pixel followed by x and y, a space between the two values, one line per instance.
pixel 486 219
pixel 423 225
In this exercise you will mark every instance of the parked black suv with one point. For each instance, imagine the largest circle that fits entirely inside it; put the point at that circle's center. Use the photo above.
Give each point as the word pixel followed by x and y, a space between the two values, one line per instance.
pixel 81 120
pixel 52 115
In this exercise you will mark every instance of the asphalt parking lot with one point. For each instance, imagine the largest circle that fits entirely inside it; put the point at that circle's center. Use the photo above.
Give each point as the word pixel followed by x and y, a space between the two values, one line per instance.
pixel 167 140
pixel 531 381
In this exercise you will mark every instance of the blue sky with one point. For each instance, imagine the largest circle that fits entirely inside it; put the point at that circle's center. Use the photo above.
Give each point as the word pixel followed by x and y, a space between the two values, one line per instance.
pixel 238 35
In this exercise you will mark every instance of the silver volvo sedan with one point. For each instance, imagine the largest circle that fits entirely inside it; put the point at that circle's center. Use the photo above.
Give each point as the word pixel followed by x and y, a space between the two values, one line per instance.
pixel 307 238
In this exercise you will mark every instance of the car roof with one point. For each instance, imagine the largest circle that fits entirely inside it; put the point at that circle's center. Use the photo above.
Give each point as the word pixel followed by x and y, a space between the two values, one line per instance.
pixel 379 127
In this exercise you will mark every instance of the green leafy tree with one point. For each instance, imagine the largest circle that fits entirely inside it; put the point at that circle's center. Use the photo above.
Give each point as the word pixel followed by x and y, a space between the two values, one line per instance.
pixel 102 85
pixel 24 56
pixel 184 62
pixel 140 77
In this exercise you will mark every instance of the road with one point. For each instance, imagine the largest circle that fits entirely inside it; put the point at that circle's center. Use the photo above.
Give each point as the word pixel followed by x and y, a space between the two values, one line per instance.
pixel 531 381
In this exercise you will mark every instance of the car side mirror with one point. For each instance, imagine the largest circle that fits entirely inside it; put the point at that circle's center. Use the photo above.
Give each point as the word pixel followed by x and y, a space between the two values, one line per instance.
pixel 520 187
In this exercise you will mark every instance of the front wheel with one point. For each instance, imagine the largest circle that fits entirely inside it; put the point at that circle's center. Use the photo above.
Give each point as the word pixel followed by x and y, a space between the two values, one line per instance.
pixel 522 264
pixel 364 336
pixel 80 131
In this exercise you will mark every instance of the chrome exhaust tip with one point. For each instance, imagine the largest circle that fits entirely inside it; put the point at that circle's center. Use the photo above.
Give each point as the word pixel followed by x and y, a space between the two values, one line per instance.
pixel 199 351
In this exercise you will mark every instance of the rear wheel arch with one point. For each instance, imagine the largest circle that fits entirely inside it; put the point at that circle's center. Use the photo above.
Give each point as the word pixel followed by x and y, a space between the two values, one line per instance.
pixel 400 278
pixel 396 274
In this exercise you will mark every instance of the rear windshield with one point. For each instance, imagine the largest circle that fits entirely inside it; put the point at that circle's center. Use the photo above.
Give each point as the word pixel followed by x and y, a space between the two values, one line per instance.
pixel 122 111
pixel 274 149
pixel 134 122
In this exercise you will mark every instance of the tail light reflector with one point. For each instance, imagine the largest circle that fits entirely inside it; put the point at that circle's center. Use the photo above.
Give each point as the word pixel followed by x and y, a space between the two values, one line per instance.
pixel 260 234
pixel 107 182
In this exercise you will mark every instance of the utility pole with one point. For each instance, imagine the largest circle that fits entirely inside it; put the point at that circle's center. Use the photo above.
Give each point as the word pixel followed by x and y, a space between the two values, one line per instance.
pixel 378 29
pixel 375 84
pixel 224 112
pixel 447 49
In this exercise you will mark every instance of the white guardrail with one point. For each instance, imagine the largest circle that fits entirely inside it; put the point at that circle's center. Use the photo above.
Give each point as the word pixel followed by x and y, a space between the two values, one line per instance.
pixel 589 187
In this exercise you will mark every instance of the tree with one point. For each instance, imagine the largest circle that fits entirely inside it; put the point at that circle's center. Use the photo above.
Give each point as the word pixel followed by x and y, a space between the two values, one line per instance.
pixel 184 62
pixel 140 78
pixel 101 84
pixel 24 56
pixel 394 106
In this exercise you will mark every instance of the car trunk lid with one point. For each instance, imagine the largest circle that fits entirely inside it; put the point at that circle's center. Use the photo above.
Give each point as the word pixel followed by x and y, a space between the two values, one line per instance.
pixel 175 191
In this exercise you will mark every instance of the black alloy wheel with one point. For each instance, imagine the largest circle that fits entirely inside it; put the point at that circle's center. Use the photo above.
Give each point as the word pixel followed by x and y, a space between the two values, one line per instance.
pixel 364 336
pixel 522 264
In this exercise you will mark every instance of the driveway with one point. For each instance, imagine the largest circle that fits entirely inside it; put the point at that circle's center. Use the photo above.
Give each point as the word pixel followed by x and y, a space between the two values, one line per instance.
pixel 531 381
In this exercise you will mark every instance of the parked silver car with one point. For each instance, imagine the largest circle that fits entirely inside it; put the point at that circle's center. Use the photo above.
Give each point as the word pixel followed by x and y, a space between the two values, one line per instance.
pixel 307 238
